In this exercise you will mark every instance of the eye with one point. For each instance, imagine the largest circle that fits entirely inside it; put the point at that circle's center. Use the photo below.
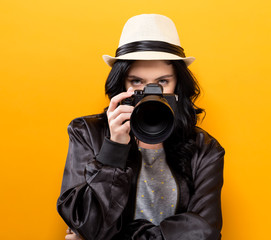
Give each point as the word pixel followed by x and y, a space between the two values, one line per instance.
pixel 136 82
pixel 163 82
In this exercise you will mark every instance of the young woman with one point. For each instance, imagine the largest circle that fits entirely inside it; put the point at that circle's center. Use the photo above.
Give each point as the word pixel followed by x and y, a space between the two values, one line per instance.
pixel 118 187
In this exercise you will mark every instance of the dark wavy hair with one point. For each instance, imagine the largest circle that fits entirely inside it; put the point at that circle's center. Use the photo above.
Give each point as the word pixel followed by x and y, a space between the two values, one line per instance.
pixel 180 146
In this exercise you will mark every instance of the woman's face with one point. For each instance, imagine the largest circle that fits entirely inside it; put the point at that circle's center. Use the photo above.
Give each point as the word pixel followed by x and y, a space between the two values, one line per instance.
pixel 143 72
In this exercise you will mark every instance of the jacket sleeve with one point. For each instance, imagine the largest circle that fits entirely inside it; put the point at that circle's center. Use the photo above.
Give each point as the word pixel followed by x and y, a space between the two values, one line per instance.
pixel 93 195
pixel 203 219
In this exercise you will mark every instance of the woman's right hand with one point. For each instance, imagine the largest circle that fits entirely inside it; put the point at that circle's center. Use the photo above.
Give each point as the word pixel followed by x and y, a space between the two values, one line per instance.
pixel 118 118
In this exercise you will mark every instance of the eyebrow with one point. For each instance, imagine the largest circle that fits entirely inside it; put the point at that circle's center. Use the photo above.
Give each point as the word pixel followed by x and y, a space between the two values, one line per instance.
pixel 165 76
pixel 161 77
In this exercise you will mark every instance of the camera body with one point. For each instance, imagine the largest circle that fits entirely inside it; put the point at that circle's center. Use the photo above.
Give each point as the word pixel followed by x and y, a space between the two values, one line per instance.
pixel 151 89
pixel 152 120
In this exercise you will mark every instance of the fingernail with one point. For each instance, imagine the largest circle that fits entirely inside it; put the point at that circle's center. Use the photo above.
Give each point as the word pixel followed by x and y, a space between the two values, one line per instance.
pixel 130 89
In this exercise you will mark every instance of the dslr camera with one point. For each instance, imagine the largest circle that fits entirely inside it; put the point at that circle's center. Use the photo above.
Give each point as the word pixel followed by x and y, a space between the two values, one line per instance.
pixel 152 120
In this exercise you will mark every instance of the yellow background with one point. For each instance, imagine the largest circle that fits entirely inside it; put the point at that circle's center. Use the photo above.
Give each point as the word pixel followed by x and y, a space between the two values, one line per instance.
pixel 51 71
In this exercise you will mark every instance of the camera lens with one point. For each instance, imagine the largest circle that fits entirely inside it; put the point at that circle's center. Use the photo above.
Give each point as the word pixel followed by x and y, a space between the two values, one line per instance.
pixel 152 120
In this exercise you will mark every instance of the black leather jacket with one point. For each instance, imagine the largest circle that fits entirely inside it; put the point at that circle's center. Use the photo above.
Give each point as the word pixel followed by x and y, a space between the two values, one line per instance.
pixel 98 191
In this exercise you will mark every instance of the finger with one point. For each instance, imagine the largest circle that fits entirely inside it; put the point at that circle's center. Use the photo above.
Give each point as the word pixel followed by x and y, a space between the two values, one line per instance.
pixel 121 135
pixel 72 236
pixel 68 231
pixel 69 237
pixel 117 99
pixel 125 128
pixel 119 121
pixel 122 129
pixel 120 109
pixel 130 89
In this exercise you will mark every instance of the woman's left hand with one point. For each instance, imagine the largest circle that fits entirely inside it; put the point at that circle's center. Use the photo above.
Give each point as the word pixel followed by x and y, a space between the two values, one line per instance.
pixel 71 235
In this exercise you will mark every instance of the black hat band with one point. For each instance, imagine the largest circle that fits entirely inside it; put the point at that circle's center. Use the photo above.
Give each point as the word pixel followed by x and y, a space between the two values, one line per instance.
pixel 156 46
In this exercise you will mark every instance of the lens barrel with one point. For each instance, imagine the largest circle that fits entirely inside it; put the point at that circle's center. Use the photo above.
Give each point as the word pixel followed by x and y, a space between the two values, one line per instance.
pixel 152 120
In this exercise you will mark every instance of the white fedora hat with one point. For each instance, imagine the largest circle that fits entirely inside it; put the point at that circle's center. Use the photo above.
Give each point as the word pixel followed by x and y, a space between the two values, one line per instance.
pixel 149 37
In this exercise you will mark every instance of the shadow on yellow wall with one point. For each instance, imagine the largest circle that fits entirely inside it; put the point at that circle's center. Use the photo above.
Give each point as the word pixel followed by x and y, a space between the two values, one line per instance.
pixel 51 71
